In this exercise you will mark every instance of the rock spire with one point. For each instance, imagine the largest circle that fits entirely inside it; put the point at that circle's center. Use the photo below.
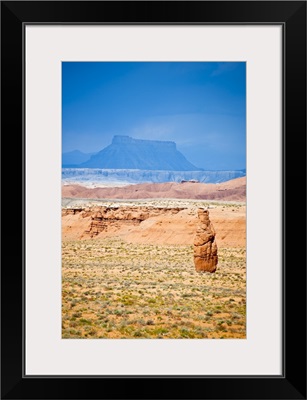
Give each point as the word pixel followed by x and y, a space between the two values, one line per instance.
pixel 205 248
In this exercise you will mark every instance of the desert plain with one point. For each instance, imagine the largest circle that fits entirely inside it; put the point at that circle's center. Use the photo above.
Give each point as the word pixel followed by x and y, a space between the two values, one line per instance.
pixel 128 269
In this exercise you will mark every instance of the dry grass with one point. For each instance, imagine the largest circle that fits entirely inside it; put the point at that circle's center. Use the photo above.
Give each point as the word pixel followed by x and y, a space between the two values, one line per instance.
pixel 112 289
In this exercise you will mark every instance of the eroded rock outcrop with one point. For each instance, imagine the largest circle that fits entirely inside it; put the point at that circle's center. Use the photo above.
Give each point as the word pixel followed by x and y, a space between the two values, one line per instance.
pixel 205 248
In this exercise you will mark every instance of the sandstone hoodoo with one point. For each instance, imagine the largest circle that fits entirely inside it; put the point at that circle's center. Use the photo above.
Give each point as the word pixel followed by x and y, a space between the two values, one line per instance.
pixel 205 248
pixel 128 153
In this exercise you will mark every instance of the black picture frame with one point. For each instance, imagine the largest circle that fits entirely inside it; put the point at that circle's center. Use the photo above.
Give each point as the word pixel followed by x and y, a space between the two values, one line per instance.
pixel 292 16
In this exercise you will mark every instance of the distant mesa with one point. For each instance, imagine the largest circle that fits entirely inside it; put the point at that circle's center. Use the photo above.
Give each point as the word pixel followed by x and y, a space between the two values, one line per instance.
pixel 205 248
pixel 127 153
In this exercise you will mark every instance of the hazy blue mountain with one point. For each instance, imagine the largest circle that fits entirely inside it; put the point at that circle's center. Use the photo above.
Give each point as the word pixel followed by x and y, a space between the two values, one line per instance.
pixel 74 158
pixel 127 153
pixel 92 175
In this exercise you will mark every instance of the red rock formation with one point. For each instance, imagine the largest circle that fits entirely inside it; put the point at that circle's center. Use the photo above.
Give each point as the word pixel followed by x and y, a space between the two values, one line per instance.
pixel 164 226
pixel 205 248
pixel 105 219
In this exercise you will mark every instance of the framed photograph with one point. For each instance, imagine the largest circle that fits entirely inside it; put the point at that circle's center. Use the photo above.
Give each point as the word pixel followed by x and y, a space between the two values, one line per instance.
pixel 161 152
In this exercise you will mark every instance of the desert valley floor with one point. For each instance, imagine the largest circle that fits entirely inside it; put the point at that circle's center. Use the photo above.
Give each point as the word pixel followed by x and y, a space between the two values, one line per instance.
pixel 128 270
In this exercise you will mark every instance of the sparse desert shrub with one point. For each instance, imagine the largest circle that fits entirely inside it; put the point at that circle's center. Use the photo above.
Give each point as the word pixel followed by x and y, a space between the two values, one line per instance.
pixel 164 289
pixel 118 312
pixel 77 315
pixel 84 321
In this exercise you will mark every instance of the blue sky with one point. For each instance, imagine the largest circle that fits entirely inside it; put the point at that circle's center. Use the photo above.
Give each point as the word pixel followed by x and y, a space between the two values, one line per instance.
pixel 199 105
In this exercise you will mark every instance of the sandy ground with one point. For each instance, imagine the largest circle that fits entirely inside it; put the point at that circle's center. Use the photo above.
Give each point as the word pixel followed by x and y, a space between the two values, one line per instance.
pixel 138 280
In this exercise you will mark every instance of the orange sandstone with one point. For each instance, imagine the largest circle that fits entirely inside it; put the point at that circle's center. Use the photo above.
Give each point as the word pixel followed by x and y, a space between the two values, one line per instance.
pixel 205 248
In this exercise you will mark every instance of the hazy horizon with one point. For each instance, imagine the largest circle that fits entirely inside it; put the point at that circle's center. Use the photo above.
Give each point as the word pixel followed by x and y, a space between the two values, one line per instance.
pixel 198 105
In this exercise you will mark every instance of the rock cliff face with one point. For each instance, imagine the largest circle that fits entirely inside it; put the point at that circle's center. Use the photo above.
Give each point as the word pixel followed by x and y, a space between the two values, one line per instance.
pixel 167 224
pixel 205 248
pixel 104 219
pixel 127 153
pixel 100 176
